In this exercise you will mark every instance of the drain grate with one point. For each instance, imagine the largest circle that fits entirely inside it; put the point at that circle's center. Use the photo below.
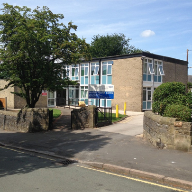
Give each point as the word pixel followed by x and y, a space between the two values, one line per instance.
pixel 67 162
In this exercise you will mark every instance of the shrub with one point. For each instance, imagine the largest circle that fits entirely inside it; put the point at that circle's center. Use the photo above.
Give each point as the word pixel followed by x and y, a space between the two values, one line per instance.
pixel 167 94
pixel 189 100
pixel 181 112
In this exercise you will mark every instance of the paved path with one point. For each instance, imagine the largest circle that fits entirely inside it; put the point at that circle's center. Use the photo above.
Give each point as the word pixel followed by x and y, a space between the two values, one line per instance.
pixel 132 125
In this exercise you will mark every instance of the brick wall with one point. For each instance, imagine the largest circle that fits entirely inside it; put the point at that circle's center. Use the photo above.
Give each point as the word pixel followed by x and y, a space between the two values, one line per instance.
pixel 127 81
pixel 175 72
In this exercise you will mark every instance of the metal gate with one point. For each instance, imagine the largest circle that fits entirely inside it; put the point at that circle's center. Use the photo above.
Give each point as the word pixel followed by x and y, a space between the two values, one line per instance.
pixel 103 116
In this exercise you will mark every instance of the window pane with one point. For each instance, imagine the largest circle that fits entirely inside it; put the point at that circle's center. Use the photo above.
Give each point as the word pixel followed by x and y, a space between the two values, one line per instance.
pixel 86 70
pixel 76 72
pixel 144 94
pixel 82 71
pixel 110 62
pixel 96 70
pixel 92 69
pixel 82 93
pixel 145 68
pixel 86 80
pixel 86 94
pixel 73 71
pixel 104 79
pixel 109 79
pixel 97 80
pixel 108 103
pixel 149 96
pixel 82 80
pixel 155 69
pixel 104 70
pixel 161 70
pixel 109 72
pixel 93 80
pixel 144 77
pixel 151 70
pixel 148 104
pixel 144 104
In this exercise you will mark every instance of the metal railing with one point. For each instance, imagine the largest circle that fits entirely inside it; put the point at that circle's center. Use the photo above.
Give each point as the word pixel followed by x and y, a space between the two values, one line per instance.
pixel 103 116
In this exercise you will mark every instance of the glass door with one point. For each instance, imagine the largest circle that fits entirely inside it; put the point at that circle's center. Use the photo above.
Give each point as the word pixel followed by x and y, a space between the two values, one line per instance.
pixel 51 99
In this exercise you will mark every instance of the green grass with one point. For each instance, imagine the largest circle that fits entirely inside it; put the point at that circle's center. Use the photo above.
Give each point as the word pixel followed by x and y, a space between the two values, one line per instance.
pixel 114 119
pixel 56 112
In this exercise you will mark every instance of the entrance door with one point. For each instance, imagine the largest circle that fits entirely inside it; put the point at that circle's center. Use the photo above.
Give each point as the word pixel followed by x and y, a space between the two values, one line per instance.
pixel 61 99
pixel 51 99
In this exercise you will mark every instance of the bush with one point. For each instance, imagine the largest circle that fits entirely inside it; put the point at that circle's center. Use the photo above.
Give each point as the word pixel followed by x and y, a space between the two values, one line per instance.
pixel 167 94
pixel 181 112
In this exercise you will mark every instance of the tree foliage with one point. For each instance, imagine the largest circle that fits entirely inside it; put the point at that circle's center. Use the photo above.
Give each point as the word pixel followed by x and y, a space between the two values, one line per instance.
pixel 34 47
pixel 109 45
pixel 167 94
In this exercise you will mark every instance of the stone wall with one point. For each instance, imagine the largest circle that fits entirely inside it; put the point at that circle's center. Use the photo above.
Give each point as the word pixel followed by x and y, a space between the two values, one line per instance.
pixel 165 132
pixel 25 120
pixel 83 118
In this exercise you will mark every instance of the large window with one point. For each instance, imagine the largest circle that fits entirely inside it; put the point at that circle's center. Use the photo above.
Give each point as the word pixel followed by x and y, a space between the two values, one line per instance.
pixel 148 70
pixel 75 72
pixel 107 72
pixel 158 67
pixel 95 73
pixel 84 94
pixel 147 99
pixel 84 74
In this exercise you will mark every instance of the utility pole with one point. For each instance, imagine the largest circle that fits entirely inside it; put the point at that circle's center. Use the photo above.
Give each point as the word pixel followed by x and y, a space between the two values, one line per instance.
pixel 187 54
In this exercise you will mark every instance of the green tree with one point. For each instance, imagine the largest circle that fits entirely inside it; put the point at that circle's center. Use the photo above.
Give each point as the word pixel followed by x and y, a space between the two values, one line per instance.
pixel 109 45
pixel 34 47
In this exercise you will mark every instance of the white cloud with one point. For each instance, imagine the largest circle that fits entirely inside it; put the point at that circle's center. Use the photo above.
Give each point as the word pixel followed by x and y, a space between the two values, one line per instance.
pixel 147 33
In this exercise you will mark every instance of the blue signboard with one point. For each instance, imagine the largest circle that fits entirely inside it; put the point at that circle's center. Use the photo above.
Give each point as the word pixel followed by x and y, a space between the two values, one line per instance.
pixel 101 95
pixel 101 91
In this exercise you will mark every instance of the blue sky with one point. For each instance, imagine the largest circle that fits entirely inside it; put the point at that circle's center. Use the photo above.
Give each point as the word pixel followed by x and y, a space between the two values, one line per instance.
pixel 163 27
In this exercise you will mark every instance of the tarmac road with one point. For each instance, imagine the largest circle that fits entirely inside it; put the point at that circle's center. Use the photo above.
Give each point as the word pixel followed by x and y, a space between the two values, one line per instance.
pixel 28 172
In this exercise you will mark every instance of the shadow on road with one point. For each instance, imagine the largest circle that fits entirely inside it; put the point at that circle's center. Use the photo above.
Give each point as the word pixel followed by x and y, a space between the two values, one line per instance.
pixel 65 143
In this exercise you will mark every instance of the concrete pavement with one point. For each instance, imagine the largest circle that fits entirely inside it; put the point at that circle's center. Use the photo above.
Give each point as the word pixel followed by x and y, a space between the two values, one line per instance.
pixel 116 147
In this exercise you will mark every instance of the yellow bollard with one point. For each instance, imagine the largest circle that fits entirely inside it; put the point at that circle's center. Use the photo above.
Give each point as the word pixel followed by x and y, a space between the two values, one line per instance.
pixel 117 111
pixel 124 108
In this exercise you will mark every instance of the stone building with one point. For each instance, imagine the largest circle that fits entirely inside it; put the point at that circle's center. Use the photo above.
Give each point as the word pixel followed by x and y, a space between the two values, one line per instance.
pixel 134 77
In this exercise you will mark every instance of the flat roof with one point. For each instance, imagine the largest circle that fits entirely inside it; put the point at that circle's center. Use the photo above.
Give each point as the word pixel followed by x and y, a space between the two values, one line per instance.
pixel 142 54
